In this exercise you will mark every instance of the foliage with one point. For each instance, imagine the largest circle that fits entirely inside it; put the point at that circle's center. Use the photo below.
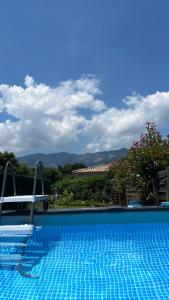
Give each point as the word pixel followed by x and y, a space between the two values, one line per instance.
pixel 24 170
pixel 147 156
pixel 21 168
pixel 52 174
pixel 96 188
pixel 150 153
pixel 68 168
pixel 66 198
pixel 4 157
pixel 122 175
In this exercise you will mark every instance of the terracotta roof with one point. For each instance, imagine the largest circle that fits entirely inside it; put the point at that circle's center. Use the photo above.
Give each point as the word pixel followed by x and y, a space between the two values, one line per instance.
pixel 95 169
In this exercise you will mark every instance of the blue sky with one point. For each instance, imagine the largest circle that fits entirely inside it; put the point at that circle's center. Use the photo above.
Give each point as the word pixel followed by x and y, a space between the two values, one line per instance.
pixel 124 44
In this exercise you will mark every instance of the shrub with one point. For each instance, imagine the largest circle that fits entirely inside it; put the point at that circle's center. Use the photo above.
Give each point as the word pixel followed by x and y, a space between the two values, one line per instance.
pixel 66 198
pixel 97 188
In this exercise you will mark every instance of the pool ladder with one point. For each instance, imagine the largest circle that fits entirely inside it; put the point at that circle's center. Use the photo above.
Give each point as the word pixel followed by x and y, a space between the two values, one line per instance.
pixel 12 259
pixel 9 168
pixel 19 231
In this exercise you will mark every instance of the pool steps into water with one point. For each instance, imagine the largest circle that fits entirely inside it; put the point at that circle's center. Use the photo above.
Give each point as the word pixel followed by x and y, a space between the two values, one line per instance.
pixel 19 231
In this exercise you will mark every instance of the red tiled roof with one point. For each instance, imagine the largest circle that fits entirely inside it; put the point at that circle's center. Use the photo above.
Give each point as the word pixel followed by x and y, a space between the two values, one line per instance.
pixel 95 169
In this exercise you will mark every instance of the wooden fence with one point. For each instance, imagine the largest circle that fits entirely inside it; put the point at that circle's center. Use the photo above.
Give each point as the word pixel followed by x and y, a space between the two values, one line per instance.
pixel 131 192
pixel 119 198
pixel 161 186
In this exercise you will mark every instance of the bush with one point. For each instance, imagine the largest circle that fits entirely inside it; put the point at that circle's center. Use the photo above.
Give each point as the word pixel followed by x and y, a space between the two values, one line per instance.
pixel 66 198
pixel 96 188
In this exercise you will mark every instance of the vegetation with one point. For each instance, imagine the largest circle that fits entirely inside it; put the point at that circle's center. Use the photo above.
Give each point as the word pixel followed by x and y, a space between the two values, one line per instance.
pixel 121 173
pixel 67 169
pixel 25 184
pixel 66 199
pixel 145 158
pixel 4 157
pixel 84 191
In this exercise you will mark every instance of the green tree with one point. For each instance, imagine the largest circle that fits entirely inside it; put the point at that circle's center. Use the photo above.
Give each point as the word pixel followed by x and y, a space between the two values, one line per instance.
pixel 4 157
pixel 68 168
pixel 122 174
pixel 23 169
pixel 52 174
pixel 147 156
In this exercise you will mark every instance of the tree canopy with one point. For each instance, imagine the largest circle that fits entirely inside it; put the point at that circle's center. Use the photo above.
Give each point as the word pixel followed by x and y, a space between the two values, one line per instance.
pixel 148 155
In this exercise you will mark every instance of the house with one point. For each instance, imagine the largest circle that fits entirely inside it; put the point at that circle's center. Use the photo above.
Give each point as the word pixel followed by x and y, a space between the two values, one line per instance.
pixel 92 171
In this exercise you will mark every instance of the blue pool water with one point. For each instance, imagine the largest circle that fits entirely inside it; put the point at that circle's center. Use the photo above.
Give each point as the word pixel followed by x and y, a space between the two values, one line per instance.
pixel 91 262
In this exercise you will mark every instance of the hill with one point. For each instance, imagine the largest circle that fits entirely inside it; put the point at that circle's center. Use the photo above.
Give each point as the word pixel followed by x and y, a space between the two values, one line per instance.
pixel 62 158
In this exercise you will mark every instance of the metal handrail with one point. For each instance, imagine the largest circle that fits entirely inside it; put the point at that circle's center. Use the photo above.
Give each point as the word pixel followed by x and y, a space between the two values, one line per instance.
pixel 8 164
pixel 38 175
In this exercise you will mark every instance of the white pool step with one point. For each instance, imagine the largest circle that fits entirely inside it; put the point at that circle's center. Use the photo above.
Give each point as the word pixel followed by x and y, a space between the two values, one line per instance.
pixel 24 198
pixel 14 235
pixel 16 230
pixel 10 257
pixel 6 244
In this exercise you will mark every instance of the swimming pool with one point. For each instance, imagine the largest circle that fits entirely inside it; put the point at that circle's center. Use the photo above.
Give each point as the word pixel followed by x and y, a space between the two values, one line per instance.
pixel 93 258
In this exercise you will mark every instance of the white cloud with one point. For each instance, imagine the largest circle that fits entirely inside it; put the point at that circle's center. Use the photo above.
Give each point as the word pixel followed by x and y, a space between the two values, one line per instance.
pixel 48 117
pixel 116 128
pixel 55 119
pixel 29 81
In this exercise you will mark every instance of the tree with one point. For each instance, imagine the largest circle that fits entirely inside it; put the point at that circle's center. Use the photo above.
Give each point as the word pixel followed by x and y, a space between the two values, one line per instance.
pixel 24 170
pixel 4 157
pixel 121 176
pixel 147 156
pixel 68 168
pixel 52 174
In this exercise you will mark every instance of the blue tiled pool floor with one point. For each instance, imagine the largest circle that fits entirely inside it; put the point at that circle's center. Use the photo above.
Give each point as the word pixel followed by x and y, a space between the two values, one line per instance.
pixel 92 262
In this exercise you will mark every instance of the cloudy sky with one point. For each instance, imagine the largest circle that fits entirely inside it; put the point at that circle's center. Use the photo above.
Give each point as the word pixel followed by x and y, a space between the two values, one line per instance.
pixel 82 76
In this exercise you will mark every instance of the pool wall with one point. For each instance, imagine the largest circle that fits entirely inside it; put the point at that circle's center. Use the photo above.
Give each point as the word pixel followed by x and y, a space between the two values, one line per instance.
pixel 108 216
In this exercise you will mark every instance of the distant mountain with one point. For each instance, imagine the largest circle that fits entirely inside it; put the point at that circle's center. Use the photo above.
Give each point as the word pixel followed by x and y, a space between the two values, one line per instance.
pixel 89 159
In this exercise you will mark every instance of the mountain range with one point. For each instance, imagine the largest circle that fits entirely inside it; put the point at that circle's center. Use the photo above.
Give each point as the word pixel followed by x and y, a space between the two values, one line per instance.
pixel 62 158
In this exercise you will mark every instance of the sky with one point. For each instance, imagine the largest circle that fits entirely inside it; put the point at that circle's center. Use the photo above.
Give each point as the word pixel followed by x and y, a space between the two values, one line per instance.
pixel 82 75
